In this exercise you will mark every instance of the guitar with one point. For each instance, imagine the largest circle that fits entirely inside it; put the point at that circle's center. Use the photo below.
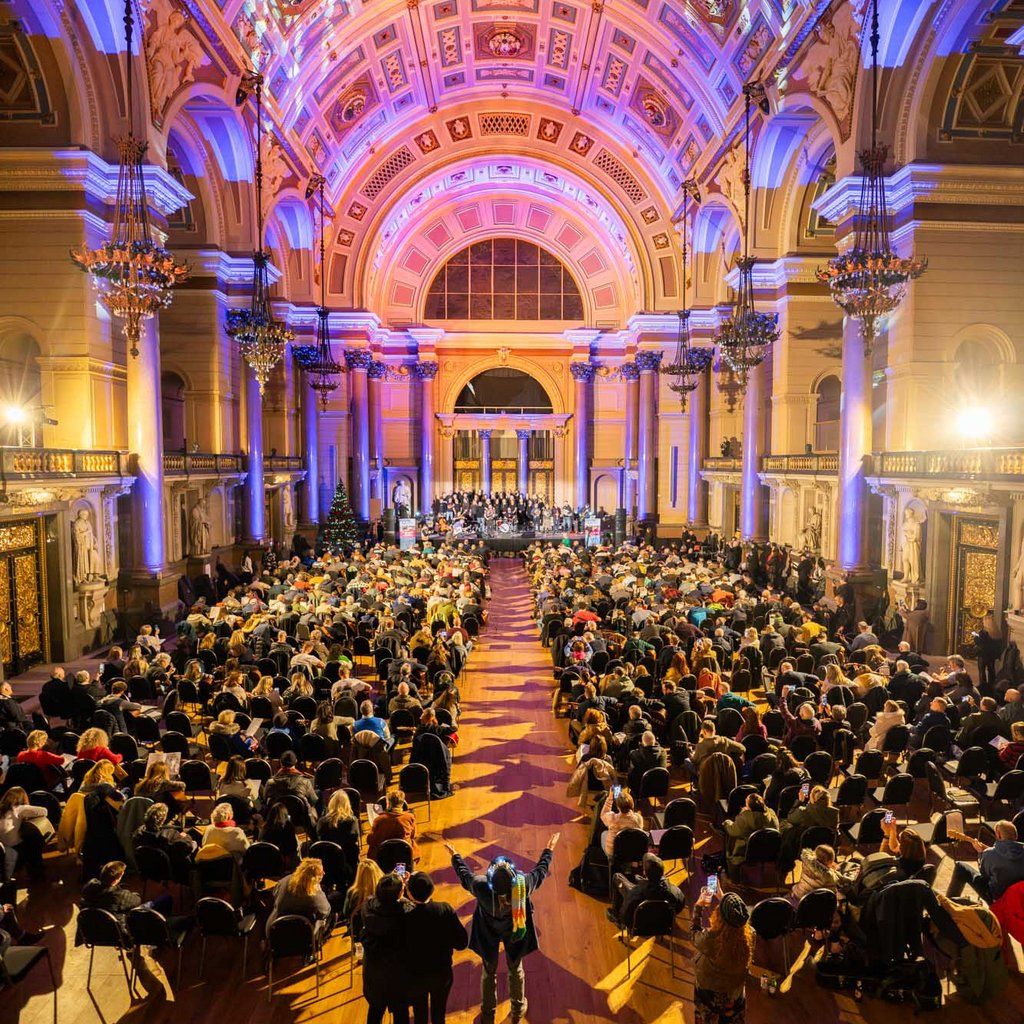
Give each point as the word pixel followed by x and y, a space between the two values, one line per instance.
pixel 957 836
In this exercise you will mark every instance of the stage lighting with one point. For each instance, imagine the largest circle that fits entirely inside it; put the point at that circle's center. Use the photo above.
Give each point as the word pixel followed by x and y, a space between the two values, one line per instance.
pixel 247 86
pixel 756 91
pixel 15 415
pixel 314 183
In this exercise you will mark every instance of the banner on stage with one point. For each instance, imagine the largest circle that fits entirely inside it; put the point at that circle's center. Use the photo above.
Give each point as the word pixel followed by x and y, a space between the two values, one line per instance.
pixel 406 534
pixel 592 532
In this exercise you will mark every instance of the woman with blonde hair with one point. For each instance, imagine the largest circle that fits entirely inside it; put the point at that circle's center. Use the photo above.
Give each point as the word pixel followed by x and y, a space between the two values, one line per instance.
pixel 833 677
pixel 300 893
pixel 891 715
pixel 35 752
pixel 158 785
pixel 265 688
pixel 362 890
pixel 226 726
pixel 338 824
pixel 94 745
pixel 724 951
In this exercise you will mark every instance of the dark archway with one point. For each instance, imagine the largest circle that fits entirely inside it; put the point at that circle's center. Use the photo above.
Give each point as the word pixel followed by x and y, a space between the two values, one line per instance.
pixel 503 389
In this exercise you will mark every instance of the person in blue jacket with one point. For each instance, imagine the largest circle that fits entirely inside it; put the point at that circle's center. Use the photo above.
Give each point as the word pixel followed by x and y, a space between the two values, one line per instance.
pixel 503 916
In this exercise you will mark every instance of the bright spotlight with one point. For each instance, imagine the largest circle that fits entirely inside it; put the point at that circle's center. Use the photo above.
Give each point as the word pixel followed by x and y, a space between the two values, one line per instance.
pixel 975 422
pixel 15 415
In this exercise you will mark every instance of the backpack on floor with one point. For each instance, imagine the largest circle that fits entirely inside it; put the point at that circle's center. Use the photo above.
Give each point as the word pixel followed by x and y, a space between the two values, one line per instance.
pixel 915 981
pixel 590 876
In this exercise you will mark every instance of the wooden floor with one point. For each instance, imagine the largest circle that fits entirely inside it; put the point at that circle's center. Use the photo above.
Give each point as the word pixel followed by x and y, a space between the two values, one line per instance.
pixel 511 770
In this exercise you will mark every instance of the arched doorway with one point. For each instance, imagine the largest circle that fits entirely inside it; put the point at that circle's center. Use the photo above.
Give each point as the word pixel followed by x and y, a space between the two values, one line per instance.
pixel 172 402
pixel 21 411
pixel 826 417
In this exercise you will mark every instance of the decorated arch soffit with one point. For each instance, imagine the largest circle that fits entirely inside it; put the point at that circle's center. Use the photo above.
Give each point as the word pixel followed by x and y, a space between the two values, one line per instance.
pixel 504 196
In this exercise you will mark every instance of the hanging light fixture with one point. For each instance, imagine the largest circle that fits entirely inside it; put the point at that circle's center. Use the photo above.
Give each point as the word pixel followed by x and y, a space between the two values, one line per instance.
pixel 869 281
pixel 689 363
pixel 324 370
pixel 133 276
pixel 728 384
pixel 261 339
pixel 745 338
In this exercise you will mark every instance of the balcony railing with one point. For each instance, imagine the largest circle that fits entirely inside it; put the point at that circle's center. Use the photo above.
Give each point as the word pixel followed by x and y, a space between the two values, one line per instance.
pixel 722 464
pixel 60 463
pixel 967 464
pixel 800 464
pixel 283 463
pixel 201 464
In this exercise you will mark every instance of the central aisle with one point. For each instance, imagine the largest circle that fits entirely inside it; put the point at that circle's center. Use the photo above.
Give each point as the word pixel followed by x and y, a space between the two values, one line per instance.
pixel 511 768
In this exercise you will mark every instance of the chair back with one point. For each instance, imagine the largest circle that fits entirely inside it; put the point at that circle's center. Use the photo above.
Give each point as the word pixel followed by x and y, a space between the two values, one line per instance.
pixel 1010 787
pixel 148 927
pixel 415 779
pixel 346 707
pixel 312 748
pixel 870 832
pixel 917 763
pixel 816 909
pixel 763 846
pixel 774 723
pixel 630 846
pixel 676 843
pixel 870 764
pixel 681 811
pixel 852 792
pixel 818 764
pixel 263 860
pixel 653 918
pixel 938 738
pixel 756 745
pixel 197 776
pixel 298 809
pixel 737 798
pixel 654 783
pixel 291 935
pixel 364 776
pixel 175 743
pixel 760 767
pixel 803 746
pixel 276 743
pixel 728 722
pixel 258 768
pixel 329 774
pixel 336 868
pixel 973 762
pixel 216 916
pixel 392 852
pixel 898 790
pixel 817 835
pixel 153 864
pixel 125 745
pixel 896 740
pixel 98 927
pixel 772 918
pixel 28 776
pixel 220 746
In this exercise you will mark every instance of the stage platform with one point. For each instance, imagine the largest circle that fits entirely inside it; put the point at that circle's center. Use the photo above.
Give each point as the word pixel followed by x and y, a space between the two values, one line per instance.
pixel 512 543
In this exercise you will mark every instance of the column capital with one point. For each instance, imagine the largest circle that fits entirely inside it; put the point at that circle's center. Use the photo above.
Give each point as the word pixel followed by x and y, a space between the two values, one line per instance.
pixel 485 435
pixel 425 371
pixel 582 373
pixel 629 371
pixel 358 359
pixel 648 361
pixel 524 435
pixel 376 370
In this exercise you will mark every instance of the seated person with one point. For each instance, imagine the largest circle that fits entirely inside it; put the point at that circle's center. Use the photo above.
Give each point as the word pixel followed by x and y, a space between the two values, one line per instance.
pixel 224 833
pixel 628 894
pixel 645 757
pixel 756 815
pixel 238 742
pixel 818 870
pixel 999 866
pixel 300 893
pixel 618 813
pixel 49 763
pixel 395 821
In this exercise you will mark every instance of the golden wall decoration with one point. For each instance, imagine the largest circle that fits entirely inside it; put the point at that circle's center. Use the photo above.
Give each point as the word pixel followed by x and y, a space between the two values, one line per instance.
pixel 26 599
pixel 972 584
pixel 18 535
pixel 6 652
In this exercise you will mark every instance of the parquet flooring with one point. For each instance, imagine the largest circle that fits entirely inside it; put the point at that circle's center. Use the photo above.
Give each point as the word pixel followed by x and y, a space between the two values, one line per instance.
pixel 511 769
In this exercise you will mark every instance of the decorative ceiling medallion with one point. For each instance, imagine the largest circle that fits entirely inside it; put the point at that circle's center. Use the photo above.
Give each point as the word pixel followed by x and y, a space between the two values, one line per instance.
pixel 427 141
pixel 581 143
pixel 549 130
pixel 459 128
pixel 504 42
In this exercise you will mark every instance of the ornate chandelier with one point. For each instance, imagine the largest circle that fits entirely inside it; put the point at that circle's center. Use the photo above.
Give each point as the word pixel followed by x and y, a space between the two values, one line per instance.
pixel 728 384
pixel 689 362
pixel 745 338
pixel 133 276
pixel 324 370
pixel 869 281
pixel 261 339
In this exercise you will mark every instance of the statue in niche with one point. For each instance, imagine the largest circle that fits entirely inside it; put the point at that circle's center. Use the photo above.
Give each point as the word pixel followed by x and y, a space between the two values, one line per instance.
pixel 401 498
pixel 86 556
pixel 199 529
pixel 910 548
pixel 810 536
pixel 1017 583
pixel 288 507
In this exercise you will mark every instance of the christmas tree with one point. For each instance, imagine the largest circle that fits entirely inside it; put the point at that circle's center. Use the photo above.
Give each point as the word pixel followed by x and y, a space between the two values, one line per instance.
pixel 340 532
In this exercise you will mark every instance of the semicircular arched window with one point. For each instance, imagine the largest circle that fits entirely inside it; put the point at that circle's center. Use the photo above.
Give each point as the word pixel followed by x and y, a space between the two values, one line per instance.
pixel 503 279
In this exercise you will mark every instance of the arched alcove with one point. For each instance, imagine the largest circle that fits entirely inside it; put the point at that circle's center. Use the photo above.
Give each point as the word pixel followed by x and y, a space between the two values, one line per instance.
pixel 20 390
pixel 503 389
pixel 826 415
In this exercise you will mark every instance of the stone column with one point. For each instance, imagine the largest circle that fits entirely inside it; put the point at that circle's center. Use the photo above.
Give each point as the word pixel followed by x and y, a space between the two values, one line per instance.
pixel 583 374
pixel 854 448
pixel 359 361
pixel 485 461
pixel 253 500
pixel 647 363
pixel 630 374
pixel 524 460
pixel 697 490
pixel 148 582
pixel 311 451
pixel 375 374
pixel 753 494
pixel 425 373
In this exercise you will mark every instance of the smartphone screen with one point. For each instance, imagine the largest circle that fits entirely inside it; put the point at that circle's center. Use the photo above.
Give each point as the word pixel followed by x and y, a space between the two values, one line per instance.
pixel 889 817
pixel 616 792
pixel 805 790
pixel 712 885
pixel 400 870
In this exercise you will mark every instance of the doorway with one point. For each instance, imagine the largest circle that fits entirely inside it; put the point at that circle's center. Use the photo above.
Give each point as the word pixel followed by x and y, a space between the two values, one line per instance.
pixel 23 597
pixel 973 582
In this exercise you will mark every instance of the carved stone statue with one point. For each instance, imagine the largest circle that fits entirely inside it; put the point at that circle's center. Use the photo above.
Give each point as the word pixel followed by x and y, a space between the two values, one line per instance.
pixel 910 548
pixel 288 506
pixel 810 536
pixel 1017 582
pixel 401 498
pixel 86 556
pixel 199 529
pixel 173 53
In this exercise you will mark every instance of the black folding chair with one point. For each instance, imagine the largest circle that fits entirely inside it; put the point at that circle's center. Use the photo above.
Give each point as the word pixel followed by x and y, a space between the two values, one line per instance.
pixel 17 961
pixel 292 936
pixel 216 917
pixel 652 919
pixel 98 928
pixel 147 927
pixel 414 780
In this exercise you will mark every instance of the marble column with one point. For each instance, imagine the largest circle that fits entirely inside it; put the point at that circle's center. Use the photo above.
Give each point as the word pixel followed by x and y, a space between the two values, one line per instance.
pixel 359 361
pixel 697 489
pixel 485 461
pixel 753 494
pixel 146 443
pixel 523 437
pixel 647 442
pixel 425 373
pixel 375 374
pixel 311 451
pixel 627 490
pixel 583 374
pixel 253 501
pixel 854 448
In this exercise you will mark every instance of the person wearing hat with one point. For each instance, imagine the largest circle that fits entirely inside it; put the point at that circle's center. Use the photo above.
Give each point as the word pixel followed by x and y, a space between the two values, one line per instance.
pixel 434 932
pixel 503 916
pixel 724 946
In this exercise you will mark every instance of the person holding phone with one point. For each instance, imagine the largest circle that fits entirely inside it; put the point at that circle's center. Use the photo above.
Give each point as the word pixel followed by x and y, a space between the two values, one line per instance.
pixel 618 813
pixel 503 916
pixel 386 983
pixel 724 943
pixel 756 815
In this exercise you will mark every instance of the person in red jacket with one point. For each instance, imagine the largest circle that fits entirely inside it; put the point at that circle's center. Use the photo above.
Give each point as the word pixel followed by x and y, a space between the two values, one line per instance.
pixel 394 822
pixel 50 764
pixel 94 745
